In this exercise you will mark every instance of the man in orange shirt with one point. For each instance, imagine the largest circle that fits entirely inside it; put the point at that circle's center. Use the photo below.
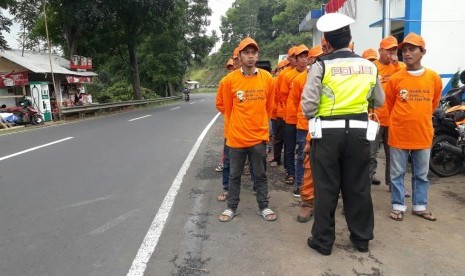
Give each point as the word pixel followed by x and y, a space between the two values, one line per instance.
pixel 278 142
pixel 247 102
pixel 290 105
pixel 303 175
pixel 412 95
pixel 387 65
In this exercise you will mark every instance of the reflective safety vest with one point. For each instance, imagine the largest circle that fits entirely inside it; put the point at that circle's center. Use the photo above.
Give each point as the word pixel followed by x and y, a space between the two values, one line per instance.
pixel 348 81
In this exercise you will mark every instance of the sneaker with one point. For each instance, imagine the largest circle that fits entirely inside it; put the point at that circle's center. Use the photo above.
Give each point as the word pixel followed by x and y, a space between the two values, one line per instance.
pixel 274 163
pixel 219 168
pixel 313 245
pixel 296 192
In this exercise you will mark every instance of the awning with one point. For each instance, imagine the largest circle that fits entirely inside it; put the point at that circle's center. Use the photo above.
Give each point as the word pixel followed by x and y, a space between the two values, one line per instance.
pixel 74 79
pixel 40 62
pixel 396 23
pixel 308 23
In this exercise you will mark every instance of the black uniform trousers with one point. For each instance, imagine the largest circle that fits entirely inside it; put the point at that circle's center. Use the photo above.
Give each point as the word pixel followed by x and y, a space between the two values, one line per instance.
pixel 340 164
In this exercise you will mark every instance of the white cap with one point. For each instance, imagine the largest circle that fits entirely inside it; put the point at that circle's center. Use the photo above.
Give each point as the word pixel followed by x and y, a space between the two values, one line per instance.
pixel 333 21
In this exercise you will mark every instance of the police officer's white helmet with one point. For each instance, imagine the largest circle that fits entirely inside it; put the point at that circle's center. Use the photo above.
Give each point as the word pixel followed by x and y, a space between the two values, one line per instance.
pixel 333 21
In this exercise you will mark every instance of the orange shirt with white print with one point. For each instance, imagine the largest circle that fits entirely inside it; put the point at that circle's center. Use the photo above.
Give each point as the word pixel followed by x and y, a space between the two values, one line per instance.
pixel 411 101
pixel 295 96
pixel 384 73
pixel 248 101
pixel 284 90
pixel 278 103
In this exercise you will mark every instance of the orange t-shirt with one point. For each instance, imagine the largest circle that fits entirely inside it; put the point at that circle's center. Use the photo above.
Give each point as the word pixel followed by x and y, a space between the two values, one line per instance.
pixel 294 114
pixel 248 101
pixel 411 101
pixel 384 73
pixel 284 90
pixel 278 103
pixel 274 109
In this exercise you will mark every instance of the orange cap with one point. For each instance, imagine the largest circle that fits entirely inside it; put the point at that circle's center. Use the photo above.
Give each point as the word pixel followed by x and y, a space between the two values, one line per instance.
pixel 370 53
pixel 414 39
pixel 315 51
pixel 388 42
pixel 300 49
pixel 291 51
pixel 246 42
pixel 236 53
pixel 230 63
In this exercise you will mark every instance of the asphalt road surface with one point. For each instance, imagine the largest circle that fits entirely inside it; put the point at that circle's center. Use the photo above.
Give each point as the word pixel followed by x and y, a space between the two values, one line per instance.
pixel 135 193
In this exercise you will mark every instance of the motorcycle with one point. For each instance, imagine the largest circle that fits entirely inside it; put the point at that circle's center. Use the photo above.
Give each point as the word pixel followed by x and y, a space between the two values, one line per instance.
pixel 186 95
pixel 24 113
pixel 448 150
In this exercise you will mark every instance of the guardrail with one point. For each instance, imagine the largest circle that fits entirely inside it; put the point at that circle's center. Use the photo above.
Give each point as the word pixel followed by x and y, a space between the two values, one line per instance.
pixel 81 110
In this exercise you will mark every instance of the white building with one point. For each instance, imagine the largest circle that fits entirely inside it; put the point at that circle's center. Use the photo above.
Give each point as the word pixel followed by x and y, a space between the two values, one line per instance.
pixel 440 23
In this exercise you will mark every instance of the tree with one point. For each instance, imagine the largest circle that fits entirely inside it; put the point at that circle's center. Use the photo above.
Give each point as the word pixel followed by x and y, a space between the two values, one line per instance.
pixel 5 23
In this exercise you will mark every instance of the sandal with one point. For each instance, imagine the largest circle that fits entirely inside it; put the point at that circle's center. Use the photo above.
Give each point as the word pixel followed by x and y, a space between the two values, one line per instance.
pixel 397 215
pixel 289 180
pixel 425 214
pixel 227 215
pixel 267 214
pixel 223 196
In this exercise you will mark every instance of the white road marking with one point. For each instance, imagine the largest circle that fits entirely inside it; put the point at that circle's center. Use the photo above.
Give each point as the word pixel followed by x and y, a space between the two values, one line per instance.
pixel 139 118
pixel 174 108
pixel 112 223
pixel 34 148
pixel 192 102
pixel 153 235
pixel 85 202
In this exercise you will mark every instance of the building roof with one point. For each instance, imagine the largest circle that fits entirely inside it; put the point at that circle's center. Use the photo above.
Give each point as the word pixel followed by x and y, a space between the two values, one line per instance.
pixel 40 63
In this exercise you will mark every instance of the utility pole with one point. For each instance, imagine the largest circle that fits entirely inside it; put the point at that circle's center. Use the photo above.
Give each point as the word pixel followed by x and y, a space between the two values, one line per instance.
pixel 387 18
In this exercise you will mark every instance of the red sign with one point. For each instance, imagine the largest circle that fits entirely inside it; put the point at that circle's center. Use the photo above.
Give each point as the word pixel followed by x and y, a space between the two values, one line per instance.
pixel 80 62
pixel 73 79
pixel 13 79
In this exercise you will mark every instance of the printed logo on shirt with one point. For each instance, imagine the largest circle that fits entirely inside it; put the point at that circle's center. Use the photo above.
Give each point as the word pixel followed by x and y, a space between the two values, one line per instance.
pixel 415 95
pixel 250 95
pixel 351 70
pixel 240 96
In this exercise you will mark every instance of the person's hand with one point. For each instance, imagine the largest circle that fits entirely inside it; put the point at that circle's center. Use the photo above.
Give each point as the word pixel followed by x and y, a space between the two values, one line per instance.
pixel 393 58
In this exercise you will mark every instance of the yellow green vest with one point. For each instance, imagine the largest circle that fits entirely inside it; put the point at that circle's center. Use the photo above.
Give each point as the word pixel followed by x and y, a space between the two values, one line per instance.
pixel 348 81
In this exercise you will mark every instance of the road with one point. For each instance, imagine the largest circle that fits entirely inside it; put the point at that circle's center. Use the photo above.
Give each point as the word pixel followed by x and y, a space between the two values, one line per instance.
pixel 90 205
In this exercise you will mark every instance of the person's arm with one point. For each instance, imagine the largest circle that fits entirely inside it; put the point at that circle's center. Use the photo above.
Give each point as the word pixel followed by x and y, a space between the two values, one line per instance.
pixel 219 97
pixel 269 96
pixel 390 94
pixel 377 94
pixel 312 90
pixel 437 92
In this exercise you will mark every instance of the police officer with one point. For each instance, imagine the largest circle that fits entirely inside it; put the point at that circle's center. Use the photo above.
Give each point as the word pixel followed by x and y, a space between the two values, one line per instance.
pixel 338 91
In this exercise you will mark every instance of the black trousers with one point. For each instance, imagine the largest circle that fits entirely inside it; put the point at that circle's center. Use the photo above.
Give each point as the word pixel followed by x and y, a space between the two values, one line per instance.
pixel 278 139
pixel 340 164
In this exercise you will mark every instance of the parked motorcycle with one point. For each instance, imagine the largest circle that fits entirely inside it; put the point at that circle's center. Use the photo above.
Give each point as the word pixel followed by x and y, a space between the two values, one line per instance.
pixel 448 150
pixel 24 113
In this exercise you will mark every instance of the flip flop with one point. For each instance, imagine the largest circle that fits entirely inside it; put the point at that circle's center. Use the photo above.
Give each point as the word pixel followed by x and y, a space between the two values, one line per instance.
pixel 425 214
pixel 223 196
pixel 265 213
pixel 396 215
pixel 227 215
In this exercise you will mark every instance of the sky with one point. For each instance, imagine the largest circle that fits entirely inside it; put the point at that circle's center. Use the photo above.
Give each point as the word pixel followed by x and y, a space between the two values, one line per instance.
pixel 219 8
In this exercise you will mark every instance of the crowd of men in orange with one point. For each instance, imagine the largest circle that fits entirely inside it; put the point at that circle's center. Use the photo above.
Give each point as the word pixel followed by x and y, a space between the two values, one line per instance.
pixel 250 98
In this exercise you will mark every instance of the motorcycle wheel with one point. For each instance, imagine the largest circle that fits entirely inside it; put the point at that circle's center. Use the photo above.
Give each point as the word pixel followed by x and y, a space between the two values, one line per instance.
pixel 37 120
pixel 444 163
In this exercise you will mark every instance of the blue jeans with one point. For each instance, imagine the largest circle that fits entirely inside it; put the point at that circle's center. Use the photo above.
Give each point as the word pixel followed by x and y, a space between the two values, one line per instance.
pixel 299 164
pixel 290 132
pixel 420 183
pixel 225 166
